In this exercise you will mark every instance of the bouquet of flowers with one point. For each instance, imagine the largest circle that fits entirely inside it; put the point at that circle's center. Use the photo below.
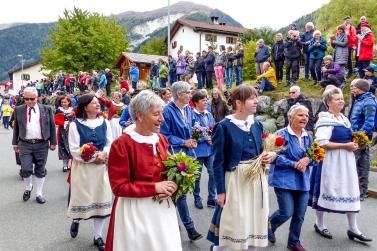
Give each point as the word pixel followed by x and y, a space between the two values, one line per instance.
pixel 361 139
pixel 102 114
pixel 271 143
pixel 88 151
pixel 316 152
pixel 70 116
pixel 198 131
pixel 182 170
pixel 119 112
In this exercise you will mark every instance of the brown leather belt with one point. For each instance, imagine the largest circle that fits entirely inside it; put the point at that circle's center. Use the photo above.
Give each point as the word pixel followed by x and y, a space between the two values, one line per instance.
pixel 33 141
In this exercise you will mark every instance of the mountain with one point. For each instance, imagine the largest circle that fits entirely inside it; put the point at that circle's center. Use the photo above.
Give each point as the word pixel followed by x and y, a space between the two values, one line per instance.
pixel 6 26
pixel 28 39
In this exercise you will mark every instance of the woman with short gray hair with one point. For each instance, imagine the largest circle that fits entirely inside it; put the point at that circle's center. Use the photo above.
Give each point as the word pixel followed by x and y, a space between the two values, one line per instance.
pixel 334 184
pixel 289 176
pixel 135 166
pixel 179 119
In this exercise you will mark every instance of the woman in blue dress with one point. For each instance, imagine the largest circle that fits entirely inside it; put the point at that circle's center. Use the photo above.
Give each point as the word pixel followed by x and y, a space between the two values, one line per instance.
pixel 334 185
pixel 241 216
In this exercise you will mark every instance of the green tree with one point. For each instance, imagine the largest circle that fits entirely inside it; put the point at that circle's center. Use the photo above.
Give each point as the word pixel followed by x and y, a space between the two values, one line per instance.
pixel 155 46
pixel 266 33
pixel 249 62
pixel 84 41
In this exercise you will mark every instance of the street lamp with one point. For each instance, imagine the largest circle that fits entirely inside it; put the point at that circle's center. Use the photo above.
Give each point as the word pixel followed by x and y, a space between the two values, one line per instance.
pixel 22 69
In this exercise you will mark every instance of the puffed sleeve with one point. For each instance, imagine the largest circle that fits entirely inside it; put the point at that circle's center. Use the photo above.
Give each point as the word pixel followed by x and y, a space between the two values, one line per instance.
pixel 120 170
pixel 109 137
pixel 323 134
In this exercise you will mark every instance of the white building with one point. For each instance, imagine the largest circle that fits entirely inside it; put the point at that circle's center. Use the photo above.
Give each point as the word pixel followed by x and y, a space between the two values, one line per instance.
pixel 31 73
pixel 197 36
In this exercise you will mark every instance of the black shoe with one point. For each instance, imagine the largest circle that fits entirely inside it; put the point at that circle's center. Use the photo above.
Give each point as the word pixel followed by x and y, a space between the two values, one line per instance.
pixel 27 194
pixel 74 229
pixel 360 237
pixel 193 235
pixel 270 234
pixel 212 203
pixel 40 199
pixel 198 203
pixel 65 169
pixel 99 243
pixel 325 232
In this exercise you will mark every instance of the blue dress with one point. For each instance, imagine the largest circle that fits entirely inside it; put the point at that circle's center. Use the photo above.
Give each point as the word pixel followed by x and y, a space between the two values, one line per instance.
pixel 333 183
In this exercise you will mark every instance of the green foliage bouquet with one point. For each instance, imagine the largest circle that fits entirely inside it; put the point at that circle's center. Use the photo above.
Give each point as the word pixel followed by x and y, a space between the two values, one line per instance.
pixel 182 170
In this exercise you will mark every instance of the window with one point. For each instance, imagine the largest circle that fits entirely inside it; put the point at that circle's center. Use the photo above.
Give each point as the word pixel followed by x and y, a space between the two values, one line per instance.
pixel 174 45
pixel 231 40
pixel 211 38
pixel 25 76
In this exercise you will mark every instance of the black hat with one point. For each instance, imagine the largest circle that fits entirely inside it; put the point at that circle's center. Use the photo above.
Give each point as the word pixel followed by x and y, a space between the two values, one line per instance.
pixel 370 69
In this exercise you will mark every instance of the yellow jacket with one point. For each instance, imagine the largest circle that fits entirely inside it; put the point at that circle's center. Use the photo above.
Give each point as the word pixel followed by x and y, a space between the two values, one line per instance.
pixel 6 110
pixel 270 76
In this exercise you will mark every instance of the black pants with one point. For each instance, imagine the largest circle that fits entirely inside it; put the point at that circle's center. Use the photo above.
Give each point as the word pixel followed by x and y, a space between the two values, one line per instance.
pixel 362 65
pixel 349 63
pixel 332 80
pixel 291 65
pixel 108 89
pixel 209 84
pixel 279 69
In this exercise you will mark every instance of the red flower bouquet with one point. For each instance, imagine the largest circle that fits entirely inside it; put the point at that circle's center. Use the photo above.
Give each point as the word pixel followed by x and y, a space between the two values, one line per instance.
pixel 88 151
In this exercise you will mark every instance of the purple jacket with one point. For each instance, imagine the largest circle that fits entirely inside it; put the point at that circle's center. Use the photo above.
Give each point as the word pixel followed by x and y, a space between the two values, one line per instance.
pixel 181 66
pixel 334 69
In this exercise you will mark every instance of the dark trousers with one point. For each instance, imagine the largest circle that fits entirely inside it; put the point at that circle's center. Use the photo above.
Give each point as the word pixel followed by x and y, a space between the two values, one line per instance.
pixel 279 69
pixel 33 154
pixel 108 89
pixel 238 72
pixel 292 203
pixel 332 80
pixel 363 167
pixel 349 62
pixel 207 162
pixel 162 82
pixel 200 75
pixel 173 78
pixel 291 68
pixel 6 121
pixel 134 84
pixel 315 69
pixel 362 65
pixel 307 61
pixel 209 84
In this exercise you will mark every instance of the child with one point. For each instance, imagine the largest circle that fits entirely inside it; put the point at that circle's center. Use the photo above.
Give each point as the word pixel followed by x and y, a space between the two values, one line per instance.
pixel 7 112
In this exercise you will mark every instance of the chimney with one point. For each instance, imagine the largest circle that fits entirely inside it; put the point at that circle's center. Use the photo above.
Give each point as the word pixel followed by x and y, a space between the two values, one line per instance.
pixel 215 20
pixel 222 24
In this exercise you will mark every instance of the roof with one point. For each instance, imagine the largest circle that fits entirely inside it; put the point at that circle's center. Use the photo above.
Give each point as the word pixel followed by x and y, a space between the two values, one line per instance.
pixel 138 58
pixel 207 27
pixel 18 67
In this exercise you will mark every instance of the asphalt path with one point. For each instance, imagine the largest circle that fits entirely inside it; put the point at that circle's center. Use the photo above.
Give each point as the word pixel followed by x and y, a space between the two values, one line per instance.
pixel 31 226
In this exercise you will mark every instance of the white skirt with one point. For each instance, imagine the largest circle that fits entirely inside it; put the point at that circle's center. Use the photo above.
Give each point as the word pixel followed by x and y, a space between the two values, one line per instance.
pixel 244 217
pixel 116 129
pixel 90 191
pixel 144 224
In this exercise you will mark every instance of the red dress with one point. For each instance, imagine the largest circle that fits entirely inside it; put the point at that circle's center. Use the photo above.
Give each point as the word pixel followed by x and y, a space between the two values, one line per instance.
pixel 133 171
pixel 111 106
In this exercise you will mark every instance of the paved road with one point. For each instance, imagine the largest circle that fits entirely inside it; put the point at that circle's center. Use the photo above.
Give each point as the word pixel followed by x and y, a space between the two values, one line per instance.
pixel 30 226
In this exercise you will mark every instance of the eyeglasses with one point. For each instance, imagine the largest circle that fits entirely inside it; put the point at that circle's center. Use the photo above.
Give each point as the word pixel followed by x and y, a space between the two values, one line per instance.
pixel 292 92
pixel 27 99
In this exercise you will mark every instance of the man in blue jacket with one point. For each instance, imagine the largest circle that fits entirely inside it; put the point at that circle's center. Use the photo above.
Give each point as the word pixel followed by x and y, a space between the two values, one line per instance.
pixel 305 40
pixel 261 55
pixel 134 73
pixel 363 119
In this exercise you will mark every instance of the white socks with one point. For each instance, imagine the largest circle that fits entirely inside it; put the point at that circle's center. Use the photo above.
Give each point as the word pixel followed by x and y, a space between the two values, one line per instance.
pixel 251 248
pixel 39 186
pixel 352 223
pixel 98 226
pixel 218 248
pixel 28 183
pixel 319 220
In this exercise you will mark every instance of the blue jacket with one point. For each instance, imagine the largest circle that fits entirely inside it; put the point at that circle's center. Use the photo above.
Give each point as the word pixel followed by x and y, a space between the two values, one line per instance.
pixel 177 128
pixel 228 145
pixel 134 72
pixel 317 52
pixel 262 55
pixel 363 113
pixel 282 172
pixel 307 36
pixel 124 117
pixel 102 81
pixel 206 120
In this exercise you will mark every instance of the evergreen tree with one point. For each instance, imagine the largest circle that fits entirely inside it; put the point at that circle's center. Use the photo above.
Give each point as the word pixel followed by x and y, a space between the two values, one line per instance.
pixel 154 46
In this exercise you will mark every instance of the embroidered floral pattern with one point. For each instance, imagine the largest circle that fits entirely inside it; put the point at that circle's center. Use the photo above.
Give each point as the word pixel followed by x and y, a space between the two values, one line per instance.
pixel 340 199
pixel 94 206
pixel 251 236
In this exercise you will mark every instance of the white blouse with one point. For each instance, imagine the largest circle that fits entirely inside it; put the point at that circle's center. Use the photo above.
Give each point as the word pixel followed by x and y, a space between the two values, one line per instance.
pixel 244 125
pixel 152 139
pixel 74 136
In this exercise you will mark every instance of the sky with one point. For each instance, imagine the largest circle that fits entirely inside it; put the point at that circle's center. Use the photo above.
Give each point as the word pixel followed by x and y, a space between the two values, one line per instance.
pixel 272 13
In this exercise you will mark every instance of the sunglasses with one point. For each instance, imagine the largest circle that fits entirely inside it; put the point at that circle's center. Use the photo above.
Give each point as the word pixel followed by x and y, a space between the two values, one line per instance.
pixel 27 99
pixel 292 92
